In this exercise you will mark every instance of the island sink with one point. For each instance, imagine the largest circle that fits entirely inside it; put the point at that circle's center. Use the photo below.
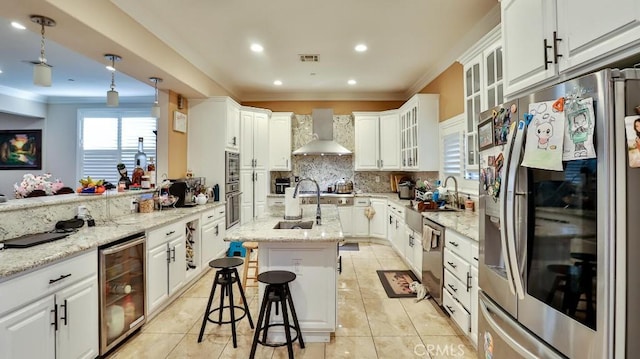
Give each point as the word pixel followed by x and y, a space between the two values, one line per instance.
pixel 294 225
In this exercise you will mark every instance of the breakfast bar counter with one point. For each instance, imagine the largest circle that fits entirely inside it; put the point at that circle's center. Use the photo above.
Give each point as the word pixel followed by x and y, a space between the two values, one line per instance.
pixel 311 254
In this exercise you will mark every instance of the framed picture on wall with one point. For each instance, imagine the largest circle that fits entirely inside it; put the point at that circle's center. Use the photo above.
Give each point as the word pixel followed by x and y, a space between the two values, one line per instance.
pixel 20 149
pixel 179 122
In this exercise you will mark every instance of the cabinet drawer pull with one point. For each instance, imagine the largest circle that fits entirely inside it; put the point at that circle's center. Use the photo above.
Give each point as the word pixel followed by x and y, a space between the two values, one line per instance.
pixel 546 56
pixel 450 309
pixel 170 233
pixel 221 212
pixel 65 312
pixel 209 217
pixel 234 140
pixel 556 39
pixel 475 259
pixel 62 276
pixel 452 265
pixel 390 219
pixel 55 317
pixel 452 287
pixel 455 244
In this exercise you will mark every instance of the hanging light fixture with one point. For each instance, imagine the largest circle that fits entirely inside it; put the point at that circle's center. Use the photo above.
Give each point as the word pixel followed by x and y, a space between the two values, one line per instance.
pixel 112 95
pixel 155 109
pixel 42 70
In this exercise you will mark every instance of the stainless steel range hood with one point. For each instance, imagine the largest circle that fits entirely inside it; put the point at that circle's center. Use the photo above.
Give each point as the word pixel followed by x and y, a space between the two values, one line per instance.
pixel 323 144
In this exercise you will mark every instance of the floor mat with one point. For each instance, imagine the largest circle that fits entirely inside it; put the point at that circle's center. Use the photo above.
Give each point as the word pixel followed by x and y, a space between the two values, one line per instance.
pixel 396 283
pixel 349 247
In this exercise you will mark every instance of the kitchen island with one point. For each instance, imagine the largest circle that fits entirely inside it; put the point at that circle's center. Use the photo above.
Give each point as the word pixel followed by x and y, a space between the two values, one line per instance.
pixel 309 253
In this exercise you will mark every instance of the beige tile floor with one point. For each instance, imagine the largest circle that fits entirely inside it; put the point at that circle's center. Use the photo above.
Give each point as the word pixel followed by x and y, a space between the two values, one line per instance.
pixel 370 325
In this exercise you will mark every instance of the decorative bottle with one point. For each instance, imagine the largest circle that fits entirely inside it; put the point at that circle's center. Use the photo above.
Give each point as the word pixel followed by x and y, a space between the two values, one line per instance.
pixel 140 155
pixel 138 172
pixel 151 172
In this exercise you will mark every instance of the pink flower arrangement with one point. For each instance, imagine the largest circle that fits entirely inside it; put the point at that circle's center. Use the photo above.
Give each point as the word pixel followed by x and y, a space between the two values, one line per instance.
pixel 31 183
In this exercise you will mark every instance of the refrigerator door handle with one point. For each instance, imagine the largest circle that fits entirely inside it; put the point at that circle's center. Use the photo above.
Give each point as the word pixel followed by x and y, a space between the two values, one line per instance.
pixel 492 314
pixel 503 213
pixel 510 206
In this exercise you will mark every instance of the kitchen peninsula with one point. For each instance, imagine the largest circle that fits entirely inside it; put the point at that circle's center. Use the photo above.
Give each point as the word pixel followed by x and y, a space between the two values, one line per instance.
pixel 309 253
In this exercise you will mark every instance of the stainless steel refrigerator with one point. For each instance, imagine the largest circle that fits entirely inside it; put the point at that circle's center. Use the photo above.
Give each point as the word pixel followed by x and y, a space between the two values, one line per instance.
pixel 556 245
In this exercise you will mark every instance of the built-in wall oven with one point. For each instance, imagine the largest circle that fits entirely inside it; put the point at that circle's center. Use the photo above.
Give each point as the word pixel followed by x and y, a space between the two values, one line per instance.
pixel 122 288
pixel 232 188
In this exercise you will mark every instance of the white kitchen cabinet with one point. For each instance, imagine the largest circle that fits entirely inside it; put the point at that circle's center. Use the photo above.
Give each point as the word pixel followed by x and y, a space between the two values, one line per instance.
pixel 28 332
pixel 52 312
pixel 461 281
pixel 419 149
pixel 314 292
pixel 360 221
pixel 346 220
pixel 413 251
pixel 280 141
pixel 254 155
pixel 275 202
pixel 389 140
pixel 483 86
pixel 166 263
pixel 377 141
pixel 525 68
pixel 367 142
pixel 212 234
pixel 565 37
pixel 378 224
pixel 213 127
pixel 232 139
pixel 395 226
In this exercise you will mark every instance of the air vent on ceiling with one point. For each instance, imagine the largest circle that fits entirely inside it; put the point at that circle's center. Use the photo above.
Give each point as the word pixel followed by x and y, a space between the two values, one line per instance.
pixel 309 58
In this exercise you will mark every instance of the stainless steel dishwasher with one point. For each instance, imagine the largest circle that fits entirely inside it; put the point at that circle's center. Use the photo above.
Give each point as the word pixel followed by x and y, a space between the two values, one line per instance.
pixel 432 269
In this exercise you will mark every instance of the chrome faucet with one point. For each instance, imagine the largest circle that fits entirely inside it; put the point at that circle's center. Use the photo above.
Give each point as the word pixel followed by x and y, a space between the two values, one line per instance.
pixel 456 199
pixel 295 193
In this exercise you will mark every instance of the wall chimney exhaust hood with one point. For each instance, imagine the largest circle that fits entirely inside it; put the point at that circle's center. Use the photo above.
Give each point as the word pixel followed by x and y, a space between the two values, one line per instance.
pixel 323 143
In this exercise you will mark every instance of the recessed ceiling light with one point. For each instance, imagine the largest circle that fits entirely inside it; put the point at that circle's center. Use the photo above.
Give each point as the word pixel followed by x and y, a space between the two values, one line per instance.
pixel 352 82
pixel 257 48
pixel 277 83
pixel 0 71
pixel 361 47
pixel 18 25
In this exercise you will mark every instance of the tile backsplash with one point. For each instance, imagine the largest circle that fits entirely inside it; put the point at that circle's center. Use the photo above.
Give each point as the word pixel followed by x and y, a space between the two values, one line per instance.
pixel 326 170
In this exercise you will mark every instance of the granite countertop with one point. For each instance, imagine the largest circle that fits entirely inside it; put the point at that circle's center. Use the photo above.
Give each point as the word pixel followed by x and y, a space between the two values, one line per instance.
pixel 26 203
pixel 261 229
pixel 463 222
pixel 17 260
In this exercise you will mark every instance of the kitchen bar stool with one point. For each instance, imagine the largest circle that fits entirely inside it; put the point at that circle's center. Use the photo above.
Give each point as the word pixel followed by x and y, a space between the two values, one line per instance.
pixel 250 248
pixel 277 292
pixel 226 275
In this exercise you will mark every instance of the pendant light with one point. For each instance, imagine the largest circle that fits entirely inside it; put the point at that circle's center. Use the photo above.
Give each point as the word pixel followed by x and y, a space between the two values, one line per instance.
pixel 112 95
pixel 42 70
pixel 155 109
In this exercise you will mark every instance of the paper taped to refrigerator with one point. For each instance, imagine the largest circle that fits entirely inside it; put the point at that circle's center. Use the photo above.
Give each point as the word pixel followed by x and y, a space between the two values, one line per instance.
pixel 545 137
pixel 632 129
pixel 578 135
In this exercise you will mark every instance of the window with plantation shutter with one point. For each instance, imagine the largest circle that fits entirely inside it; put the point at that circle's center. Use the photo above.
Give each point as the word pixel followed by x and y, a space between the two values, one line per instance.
pixel 109 137
pixel 451 149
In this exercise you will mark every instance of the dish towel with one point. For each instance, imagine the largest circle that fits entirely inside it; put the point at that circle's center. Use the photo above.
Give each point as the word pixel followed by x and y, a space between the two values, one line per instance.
pixel 429 238
pixel 369 212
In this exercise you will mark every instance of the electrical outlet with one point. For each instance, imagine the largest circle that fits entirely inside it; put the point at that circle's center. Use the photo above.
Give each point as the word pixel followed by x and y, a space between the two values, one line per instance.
pixel 296 179
pixel 377 179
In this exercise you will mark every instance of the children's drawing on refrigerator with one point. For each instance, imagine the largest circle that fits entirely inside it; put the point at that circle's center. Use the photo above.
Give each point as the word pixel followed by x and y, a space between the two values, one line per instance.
pixel 578 142
pixel 545 135
pixel 632 129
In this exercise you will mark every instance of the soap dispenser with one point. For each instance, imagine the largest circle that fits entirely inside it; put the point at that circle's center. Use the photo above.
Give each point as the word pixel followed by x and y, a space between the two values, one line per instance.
pixel 469 204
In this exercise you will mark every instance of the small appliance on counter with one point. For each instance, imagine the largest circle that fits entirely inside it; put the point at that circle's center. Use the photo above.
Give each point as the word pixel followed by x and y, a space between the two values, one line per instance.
pixel 405 190
pixel 282 184
pixel 343 186
pixel 186 190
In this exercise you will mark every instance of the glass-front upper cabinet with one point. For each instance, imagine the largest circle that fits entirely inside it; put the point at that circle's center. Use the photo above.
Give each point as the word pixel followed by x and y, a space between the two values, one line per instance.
pixel 483 89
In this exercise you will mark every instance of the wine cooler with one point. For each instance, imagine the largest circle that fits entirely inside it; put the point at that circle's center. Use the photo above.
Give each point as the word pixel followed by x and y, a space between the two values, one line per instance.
pixel 122 288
